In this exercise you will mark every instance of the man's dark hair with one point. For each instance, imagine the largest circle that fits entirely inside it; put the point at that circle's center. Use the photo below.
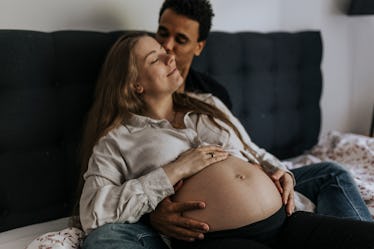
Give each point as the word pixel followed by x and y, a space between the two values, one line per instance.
pixel 197 10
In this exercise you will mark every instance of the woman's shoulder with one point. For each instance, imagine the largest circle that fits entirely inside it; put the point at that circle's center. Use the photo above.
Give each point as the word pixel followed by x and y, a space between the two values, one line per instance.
pixel 113 136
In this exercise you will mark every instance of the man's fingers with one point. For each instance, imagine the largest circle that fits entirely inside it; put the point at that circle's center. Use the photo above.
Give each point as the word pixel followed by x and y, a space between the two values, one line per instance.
pixel 188 229
pixel 181 207
pixel 182 233
pixel 187 235
pixel 191 225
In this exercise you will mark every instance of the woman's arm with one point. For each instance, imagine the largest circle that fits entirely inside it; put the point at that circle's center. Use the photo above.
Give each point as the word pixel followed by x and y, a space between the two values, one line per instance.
pixel 108 198
pixel 111 195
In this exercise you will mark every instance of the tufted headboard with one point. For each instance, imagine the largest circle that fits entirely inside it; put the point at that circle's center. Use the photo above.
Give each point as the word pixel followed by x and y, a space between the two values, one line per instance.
pixel 274 81
pixel 46 87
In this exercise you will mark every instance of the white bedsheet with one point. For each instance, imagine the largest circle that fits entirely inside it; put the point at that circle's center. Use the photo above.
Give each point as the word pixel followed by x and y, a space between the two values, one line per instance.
pixel 19 238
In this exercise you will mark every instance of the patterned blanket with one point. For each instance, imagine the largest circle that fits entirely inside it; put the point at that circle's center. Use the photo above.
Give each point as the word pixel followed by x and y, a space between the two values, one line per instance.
pixel 354 152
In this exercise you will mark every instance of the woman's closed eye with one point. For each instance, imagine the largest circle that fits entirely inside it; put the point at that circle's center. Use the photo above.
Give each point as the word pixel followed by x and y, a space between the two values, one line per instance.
pixel 155 60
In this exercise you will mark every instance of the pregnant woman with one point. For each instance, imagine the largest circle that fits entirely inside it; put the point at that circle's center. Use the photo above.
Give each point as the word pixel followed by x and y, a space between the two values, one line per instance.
pixel 142 137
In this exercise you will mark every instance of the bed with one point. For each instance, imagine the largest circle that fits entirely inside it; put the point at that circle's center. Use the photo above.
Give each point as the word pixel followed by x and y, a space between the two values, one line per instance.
pixel 46 85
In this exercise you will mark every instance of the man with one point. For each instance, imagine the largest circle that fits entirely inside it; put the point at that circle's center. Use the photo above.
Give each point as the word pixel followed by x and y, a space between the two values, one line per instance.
pixel 183 29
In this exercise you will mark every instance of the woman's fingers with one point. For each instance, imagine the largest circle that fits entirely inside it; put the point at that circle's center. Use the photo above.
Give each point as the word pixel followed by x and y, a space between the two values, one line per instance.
pixel 212 153
pixel 215 156
pixel 208 148
pixel 194 160
pixel 290 206
pixel 288 193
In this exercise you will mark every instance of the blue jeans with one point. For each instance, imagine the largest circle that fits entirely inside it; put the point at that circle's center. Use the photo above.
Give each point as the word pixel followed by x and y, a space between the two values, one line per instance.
pixel 328 185
pixel 124 236
pixel 332 189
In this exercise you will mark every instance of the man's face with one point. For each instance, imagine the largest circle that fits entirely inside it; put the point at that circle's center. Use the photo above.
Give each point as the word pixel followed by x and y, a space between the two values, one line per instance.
pixel 178 35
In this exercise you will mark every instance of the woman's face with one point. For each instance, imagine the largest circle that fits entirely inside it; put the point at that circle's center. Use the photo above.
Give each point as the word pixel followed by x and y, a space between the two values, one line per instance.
pixel 158 74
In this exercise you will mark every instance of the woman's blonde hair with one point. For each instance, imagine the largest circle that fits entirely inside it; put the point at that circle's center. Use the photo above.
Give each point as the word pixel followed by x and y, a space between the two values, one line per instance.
pixel 116 99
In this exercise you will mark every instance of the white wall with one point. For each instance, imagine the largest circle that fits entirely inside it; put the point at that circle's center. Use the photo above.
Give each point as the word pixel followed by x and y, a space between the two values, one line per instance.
pixel 348 93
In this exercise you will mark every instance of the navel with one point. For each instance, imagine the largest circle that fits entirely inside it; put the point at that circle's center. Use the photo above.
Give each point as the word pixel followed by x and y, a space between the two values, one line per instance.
pixel 240 176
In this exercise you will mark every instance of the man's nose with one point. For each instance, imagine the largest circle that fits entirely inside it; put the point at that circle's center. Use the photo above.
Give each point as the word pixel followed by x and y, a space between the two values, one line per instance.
pixel 168 44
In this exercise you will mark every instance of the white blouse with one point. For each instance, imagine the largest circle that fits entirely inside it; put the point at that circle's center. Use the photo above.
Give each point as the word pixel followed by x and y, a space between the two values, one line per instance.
pixel 125 178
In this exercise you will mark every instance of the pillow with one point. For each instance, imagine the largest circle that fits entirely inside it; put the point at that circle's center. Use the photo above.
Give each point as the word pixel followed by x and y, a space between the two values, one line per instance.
pixel 69 238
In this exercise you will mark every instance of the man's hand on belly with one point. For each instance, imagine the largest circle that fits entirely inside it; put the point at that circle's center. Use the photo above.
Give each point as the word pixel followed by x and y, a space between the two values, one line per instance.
pixel 167 219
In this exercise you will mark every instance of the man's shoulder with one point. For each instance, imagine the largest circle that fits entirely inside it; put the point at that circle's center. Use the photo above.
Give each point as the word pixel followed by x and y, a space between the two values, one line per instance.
pixel 202 78
pixel 203 83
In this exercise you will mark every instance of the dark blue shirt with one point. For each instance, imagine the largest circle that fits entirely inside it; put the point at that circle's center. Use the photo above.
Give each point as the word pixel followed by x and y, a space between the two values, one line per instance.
pixel 202 83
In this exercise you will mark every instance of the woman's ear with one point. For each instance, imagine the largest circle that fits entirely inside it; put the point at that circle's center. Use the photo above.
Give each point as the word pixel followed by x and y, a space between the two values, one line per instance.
pixel 138 88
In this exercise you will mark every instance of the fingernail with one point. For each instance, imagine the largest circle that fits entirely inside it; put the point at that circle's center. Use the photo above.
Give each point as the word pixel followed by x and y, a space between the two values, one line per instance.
pixel 201 236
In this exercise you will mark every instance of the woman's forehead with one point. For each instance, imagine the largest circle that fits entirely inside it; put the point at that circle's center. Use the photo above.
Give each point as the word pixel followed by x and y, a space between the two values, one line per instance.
pixel 145 45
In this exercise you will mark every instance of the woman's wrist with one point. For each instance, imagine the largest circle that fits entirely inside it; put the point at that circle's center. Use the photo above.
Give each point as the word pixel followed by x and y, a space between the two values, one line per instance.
pixel 174 172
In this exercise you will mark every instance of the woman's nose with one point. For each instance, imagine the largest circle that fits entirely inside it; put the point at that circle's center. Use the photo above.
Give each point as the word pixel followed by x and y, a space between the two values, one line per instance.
pixel 169 58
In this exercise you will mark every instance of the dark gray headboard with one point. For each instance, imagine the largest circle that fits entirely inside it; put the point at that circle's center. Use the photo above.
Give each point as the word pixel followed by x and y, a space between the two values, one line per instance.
pixel 274 81
pixel 46 86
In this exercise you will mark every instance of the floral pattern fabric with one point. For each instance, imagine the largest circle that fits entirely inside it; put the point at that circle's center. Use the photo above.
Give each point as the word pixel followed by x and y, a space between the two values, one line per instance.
pixel 354 152
pixel 69 238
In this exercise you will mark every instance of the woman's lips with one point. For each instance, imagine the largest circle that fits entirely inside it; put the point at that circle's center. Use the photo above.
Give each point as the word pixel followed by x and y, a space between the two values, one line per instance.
pixel 172 71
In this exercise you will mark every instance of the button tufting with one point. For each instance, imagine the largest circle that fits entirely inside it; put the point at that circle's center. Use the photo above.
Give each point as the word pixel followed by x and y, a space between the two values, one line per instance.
pixel 4 212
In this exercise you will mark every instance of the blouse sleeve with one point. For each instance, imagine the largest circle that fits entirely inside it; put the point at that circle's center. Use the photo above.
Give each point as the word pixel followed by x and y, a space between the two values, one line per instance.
pixel 108 195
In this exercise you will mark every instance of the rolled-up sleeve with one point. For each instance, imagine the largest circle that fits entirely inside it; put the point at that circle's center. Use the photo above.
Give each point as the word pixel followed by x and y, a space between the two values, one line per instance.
pixel 108 197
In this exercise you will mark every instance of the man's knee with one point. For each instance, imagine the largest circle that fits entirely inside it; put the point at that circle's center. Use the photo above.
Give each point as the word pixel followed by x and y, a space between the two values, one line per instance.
pixel 335 169
pixel 95 237
pixel 332 168
pixel 118 236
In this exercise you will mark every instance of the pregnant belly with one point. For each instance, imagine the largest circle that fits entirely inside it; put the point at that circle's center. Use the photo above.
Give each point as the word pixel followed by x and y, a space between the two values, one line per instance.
pixel 235 192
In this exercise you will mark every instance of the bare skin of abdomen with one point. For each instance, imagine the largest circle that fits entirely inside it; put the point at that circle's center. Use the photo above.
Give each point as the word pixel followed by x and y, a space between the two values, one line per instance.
pixel 235 192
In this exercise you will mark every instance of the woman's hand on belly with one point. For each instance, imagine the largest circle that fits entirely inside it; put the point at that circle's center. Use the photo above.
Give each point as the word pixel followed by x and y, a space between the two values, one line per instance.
pixel 285 183
pixel 193 161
